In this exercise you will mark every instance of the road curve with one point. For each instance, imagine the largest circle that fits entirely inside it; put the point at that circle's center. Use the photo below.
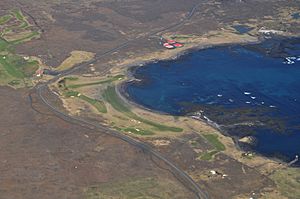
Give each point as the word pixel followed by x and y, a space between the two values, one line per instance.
pixel 40 88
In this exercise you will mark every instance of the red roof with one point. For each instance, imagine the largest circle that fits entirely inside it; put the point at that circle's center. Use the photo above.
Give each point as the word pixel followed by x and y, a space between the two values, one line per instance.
pixel 171 41
pixel 168 46
pixel 178 45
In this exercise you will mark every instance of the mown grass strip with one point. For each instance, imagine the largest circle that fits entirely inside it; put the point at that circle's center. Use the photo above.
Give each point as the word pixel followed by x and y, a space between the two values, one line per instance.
pixel 70 93
pixel 99 105
pixel 4 19
pixel 19 15
pixel 17 67
pixel 214 141
pixel 96 83
pixel 111 97
pixel 26 38
pixel 23 25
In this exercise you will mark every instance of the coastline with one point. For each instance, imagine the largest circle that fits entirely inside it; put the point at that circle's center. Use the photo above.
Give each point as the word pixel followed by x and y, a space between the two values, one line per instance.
pixel 121 90
pixel 161 141
pixel 130 69
pixel 126 67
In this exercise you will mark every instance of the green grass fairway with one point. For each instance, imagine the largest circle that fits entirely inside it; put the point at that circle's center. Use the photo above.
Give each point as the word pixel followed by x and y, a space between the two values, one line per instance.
pixel 4 19
pixel 19 15
pixel 214 141
pixel 17 67
pixel 15 71
pixel 69 93
pixel 111 97
pixel 99 105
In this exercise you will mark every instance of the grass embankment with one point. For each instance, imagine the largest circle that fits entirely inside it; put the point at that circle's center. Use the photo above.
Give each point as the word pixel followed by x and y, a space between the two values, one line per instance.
pixel 75 58
pixel 215 142
pixel 113 99
pixel 288 182
pixel 14 69
pixel 136 188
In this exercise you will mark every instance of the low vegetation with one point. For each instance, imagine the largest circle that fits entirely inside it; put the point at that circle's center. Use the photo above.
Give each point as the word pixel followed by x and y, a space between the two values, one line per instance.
pixel 288 182
pixel 75 58
pixel 136 188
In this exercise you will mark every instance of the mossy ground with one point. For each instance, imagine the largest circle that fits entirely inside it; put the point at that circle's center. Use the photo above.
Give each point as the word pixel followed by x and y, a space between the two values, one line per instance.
pixel 288 182
pixel 136 188
pixel 76 57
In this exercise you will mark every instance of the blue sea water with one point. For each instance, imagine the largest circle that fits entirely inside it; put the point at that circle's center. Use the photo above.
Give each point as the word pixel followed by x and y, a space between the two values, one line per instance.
pixel 256 83
pixel 296 15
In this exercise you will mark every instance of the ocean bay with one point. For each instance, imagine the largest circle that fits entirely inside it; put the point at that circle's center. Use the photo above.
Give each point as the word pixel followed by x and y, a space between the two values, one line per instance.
pixel 247 90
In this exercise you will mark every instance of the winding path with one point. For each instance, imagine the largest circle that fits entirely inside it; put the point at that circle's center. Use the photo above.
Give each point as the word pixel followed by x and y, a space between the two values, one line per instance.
pixel 41 88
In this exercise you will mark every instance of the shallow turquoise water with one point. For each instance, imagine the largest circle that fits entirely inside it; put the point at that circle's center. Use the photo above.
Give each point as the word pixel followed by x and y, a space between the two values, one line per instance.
pixel 232 85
